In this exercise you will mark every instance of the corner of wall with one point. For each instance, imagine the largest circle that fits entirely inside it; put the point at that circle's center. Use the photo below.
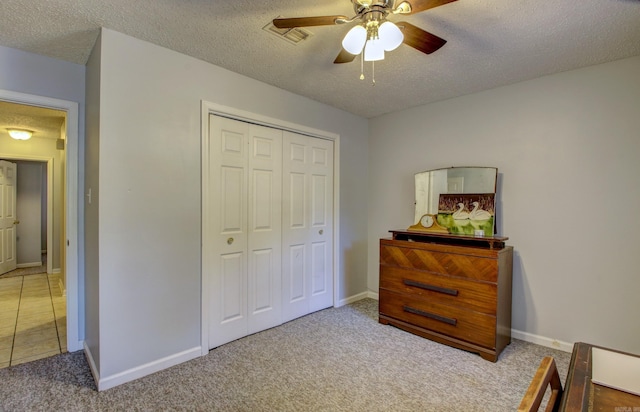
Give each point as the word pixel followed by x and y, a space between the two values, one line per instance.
pixel 108 382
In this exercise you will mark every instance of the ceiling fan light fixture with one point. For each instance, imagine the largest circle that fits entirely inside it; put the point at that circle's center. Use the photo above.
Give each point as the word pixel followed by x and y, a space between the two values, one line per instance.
pixel 373 50
pixel 355 39
pixel 390 36
pixel 20 134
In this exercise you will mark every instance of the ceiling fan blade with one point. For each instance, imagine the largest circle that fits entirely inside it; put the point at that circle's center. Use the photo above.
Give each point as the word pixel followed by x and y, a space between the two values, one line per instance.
pixel 421 5
pixel 420 39
pixel 344 57
pixel 283 23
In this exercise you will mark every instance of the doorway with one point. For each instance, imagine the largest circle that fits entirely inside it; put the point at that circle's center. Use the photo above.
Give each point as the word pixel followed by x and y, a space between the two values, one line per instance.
pixel 33 294
pixel 67 169
pixel 32 245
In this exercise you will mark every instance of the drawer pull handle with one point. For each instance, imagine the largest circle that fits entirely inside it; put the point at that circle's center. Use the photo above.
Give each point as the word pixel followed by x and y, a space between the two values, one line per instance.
pixel 444 319
pixel 446 291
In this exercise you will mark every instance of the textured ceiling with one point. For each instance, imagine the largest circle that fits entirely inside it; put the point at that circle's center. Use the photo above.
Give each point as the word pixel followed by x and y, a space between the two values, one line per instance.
pixel 41 121
pixel 490 42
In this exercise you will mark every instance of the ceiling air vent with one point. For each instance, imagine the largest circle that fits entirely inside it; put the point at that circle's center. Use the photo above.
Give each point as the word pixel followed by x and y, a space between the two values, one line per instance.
pixel 293 36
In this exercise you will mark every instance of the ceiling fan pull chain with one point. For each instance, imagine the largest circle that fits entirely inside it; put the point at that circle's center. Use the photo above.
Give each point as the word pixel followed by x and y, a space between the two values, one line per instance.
pixel 373 73
pixel 361 66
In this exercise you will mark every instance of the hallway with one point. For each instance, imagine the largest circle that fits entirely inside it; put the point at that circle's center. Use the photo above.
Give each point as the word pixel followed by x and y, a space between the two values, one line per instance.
pixel 32 318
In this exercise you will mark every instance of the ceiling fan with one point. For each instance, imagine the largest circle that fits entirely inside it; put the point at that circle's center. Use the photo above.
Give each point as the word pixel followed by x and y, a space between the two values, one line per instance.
pixel 374 34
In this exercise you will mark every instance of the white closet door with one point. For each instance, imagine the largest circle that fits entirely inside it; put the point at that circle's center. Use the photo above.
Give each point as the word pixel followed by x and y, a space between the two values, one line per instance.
pixel 307 263
pixel 265 228
pixel 228 147
pixel 321 235
pixel 245 217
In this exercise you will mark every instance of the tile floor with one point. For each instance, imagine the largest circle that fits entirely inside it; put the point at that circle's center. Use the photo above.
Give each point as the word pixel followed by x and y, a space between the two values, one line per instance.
pixel 32 318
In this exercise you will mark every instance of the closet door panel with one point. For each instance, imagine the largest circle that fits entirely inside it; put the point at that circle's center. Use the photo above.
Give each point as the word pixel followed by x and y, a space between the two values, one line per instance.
pixel 262 214
pixel 265 229
pixel 297 197
pixel 233 285
pixel 228 177
pixel 232 185
pixel 319 252
pixel 308 232
pixel 296 285
pixel 263 277
pixel 296 270
pixel 319 259
pixel 321 233
pixel 319 201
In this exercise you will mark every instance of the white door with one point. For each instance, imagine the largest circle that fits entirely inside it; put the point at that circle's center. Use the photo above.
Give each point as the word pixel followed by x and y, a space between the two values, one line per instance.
pixel 245 218
pixel 307 197
pixel 265 228
pixel 8 172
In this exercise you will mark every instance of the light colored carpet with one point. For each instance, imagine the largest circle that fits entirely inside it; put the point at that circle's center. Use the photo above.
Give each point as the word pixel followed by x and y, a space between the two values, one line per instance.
pixel 333 360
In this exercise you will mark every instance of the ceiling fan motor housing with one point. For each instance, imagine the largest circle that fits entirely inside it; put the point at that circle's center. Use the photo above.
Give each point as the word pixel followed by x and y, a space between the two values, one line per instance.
pixel 361 6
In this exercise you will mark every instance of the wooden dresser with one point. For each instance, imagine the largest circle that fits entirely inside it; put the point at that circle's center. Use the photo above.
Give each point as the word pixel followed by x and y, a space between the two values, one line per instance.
pixel 453 290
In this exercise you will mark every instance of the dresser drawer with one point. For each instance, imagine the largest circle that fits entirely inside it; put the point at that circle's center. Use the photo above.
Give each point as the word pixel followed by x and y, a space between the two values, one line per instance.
pixel 472 295
pixel 470 326
pixel 454 264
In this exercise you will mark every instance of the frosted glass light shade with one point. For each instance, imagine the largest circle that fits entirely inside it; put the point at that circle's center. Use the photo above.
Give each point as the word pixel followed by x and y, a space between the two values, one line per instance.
pixel 354 41
pixel 373 51
pixel 20 134
pixel 390 36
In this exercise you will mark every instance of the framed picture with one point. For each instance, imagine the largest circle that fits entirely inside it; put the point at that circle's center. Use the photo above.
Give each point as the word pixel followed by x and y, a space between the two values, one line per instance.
pixel 463 214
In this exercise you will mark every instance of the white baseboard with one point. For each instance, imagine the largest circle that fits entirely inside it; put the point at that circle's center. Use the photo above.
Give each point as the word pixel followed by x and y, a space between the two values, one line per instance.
pixel 108 382
pixel 75 345
pixel 58 270
pixel 355 298
pixel 63 290
pixel 542 340
pixel 352 299
pixel 92 365
pixel 28 265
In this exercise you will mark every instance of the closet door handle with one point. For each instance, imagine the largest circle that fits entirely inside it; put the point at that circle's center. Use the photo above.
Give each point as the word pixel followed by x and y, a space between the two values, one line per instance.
pixel 229 241
pixel 321 231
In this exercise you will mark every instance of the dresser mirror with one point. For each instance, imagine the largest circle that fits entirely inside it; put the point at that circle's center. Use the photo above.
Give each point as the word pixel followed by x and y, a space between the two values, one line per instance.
pixel 431 184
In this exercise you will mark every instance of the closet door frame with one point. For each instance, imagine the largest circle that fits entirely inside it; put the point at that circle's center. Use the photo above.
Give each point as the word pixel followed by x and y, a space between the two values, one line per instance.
pixel 208 108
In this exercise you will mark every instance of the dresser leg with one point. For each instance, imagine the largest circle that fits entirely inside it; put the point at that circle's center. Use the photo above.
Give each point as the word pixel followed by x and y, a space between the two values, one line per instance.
pixel 488 356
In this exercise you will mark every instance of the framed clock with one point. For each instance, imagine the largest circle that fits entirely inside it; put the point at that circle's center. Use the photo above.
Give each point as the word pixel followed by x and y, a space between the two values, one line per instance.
pixel 428 223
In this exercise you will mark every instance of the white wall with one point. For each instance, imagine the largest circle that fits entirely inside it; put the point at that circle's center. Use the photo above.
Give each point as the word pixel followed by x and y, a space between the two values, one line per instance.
pixel 42 76
pixel 37 75
pixel 91 208
pixel 566 147
pixel 144 150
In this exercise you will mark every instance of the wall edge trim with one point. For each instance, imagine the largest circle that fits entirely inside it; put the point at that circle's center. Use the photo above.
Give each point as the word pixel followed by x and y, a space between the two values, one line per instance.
pixel 108 382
